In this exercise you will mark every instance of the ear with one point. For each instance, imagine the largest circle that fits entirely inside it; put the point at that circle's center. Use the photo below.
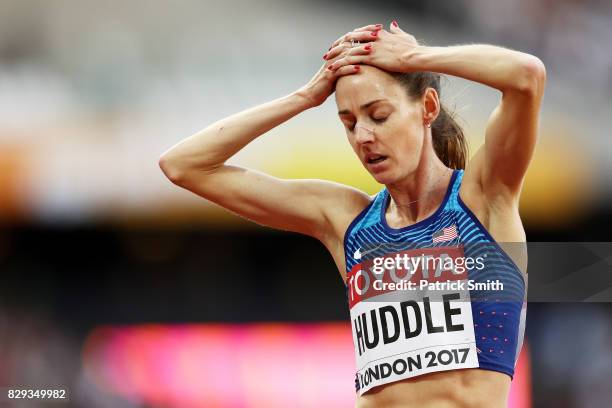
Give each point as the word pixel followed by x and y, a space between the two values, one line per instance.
pixel 431 105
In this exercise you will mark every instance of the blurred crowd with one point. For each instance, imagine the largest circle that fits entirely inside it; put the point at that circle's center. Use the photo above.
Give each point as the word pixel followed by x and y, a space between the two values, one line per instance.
pixel 92 93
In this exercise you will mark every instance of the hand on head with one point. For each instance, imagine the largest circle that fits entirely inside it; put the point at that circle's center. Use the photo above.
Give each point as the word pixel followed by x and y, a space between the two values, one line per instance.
pixel 377 47
pixel 322 84
pixel 371 45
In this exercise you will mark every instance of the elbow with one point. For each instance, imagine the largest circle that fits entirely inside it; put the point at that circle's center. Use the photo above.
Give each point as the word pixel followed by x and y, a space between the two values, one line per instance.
pixel 532 77
pixel 182 170
pixel 171 168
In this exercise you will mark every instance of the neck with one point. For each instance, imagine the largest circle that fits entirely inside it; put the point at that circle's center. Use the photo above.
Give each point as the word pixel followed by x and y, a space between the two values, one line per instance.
pixel 418 195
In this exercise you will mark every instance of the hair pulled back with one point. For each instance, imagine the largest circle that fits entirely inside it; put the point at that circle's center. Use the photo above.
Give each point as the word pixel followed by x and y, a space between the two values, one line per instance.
pixel 449 141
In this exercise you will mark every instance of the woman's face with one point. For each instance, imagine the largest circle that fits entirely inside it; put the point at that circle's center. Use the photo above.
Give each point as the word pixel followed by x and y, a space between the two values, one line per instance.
pixel 384 127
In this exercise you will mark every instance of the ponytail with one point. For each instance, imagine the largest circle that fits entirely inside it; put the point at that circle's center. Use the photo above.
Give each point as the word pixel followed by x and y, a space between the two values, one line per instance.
pixel 449 141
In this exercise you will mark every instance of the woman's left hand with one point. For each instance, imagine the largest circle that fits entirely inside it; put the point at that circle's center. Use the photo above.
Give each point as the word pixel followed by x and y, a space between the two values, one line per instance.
pixel 386 50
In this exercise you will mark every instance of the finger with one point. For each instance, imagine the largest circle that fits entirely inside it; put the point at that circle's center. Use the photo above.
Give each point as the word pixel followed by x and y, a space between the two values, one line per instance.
pixel 339 50
pixel 347 70
pixel 371 27
pixel 363 49
pixel 362 37
pixel 347 60
pixel 339 41
pixel 366 35
pixel 394 27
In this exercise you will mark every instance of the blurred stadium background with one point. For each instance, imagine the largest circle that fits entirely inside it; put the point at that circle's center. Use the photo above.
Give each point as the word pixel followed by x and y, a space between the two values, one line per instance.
pixel 130 292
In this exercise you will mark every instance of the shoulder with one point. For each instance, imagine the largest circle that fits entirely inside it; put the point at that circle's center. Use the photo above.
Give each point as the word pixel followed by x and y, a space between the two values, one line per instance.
pixel 348 203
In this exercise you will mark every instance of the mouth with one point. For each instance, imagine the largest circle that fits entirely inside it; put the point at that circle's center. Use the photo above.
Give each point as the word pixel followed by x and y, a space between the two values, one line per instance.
pixel 375 158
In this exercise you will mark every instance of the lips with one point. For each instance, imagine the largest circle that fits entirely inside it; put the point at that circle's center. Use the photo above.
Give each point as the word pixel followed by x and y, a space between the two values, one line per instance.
pixel 373 158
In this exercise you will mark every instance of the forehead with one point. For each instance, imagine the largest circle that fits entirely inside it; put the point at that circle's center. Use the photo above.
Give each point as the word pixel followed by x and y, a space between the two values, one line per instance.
pixel 369 84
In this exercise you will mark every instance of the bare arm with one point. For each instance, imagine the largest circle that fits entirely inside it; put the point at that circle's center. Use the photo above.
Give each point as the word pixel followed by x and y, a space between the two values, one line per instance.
pixel 208 149
pixel 511 132
pixel 499 167
pixel 495 66
pixel 198 164
pixel 306 206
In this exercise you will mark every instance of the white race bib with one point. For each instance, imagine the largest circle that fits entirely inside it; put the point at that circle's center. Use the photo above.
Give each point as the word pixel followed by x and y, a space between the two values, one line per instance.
pixel 410 318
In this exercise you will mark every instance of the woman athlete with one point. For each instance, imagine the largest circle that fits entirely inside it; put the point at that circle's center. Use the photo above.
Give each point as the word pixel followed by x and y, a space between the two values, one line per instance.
pixel 387 93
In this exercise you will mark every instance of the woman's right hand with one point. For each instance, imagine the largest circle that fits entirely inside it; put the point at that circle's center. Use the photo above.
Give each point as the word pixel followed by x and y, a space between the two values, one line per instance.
pixel 318 89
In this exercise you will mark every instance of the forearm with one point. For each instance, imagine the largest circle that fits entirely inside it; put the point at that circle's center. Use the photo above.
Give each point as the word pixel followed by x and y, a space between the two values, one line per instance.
pixel 211 147
pixel 491 65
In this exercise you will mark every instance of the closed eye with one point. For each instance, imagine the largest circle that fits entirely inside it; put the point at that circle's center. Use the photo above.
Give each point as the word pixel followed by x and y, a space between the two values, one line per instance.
pixel 351 127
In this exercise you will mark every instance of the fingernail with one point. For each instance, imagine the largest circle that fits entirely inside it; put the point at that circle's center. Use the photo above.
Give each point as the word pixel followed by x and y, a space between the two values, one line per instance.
pixel 356 67
pixel 368 47
pixel 374 33
pixel 394 23
pixel 330 68
pixel 325 57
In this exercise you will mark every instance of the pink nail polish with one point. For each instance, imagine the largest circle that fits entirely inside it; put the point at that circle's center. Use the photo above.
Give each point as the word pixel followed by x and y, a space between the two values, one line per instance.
pixel 374 33
pixel 357 67
pixel 368 47
pixel 394 23
pixel 325 57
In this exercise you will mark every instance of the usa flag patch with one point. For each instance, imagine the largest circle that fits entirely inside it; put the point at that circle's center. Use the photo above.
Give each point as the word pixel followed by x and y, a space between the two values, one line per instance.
pixel 445 234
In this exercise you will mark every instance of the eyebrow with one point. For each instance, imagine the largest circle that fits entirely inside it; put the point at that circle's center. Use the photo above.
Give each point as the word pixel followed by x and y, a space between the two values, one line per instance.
pixel 364 106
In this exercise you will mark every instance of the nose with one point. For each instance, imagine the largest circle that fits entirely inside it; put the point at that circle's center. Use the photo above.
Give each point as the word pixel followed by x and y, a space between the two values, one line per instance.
pixel 363 134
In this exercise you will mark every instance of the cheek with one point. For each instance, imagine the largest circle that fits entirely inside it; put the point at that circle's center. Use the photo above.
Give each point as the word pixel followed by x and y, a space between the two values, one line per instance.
pixel 407 134
pixel 351 140
pixel 403 145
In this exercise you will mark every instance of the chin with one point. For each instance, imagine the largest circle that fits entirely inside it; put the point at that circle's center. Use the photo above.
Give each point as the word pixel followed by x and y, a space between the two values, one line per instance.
pixel 384 177
pixel 389 174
